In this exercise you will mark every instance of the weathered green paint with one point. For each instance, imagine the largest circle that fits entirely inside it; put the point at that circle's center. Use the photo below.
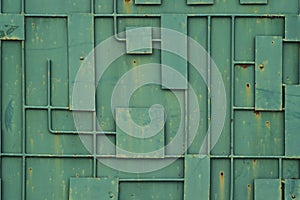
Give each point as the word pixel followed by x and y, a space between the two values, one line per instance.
pixel 258 133
pixel 267 189
pixel 197 177
pixel 291 189
pixel 292 28
pixel 135 128
pixel 41 154
pixel 139 40
pixel 268 73
pixel 177 23
pixel 80 44
pixel 292 100
pixel 12 27
pixel 244 85
pixel 93 188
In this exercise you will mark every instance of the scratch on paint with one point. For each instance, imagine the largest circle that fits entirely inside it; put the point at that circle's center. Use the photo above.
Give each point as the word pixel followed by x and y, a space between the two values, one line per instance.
pixel 9 112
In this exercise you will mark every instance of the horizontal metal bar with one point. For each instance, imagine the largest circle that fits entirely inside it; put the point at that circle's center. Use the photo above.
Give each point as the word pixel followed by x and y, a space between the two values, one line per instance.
pixel 151 180
pixel 47 107
pixel 44 15
pixel 166 156
pixel 237 62
pixel 242 108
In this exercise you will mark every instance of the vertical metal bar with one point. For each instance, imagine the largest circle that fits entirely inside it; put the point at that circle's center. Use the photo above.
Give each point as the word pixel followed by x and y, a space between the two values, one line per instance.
pixel 231 109
pixel 92 6
pixel 0 106
pixel 280 168
pixel 23 6
pixel 208 83
pixel 23 125
pixel 94 145
pixel 0 6
pixel 49 93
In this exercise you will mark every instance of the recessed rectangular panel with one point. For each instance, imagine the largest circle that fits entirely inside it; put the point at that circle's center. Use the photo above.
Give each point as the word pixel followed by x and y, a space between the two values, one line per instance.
pixel 138 135
pixel 81 43
pixel 12 27
pixel 267 189
pixel 139 40
pixel 193 2
pixel 258 133
pixel 147 1
pixel 93 188
pixel 174 51
pixel 253 1
pixel 197 177
pixel 244 85
pixel 292 126
pixel 268 73
pixel 292 28
pixel 291 189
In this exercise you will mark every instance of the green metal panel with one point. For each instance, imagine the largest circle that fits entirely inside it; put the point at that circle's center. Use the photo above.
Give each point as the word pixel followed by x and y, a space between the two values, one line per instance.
pixel 291 189
pixel 178 23
pixel 192 2
pixel 46 155
pixel 253 1
pixel 138 41
pixel 267 189
pixel 268 73
pixel 292 28
pixel 12 27
pixel 292 100
pixel 93 188
pixel 84 40
pixel 147 1
pixel 134 133
pixel 197 170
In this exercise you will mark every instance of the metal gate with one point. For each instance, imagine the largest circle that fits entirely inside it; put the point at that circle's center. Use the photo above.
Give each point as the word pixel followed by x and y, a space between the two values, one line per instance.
pixel 150 99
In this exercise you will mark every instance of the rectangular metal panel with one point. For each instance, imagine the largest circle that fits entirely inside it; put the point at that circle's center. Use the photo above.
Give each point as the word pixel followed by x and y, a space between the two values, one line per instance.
pixel 12 27
pixel 81 43
pixel 138 135
pixel 191 2
pixel 93 188
pixel 147 1
pixel 268 73
pixel 292 126
pixel 292 28
pixel 267 189
pixel 138 40
pixel 291 189
pixel 175 22
pixel 197 177
pixel 253 1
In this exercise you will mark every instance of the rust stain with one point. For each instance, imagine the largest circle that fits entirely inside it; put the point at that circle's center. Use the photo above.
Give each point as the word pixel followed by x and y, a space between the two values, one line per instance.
pixel 257 114
pixel 268 124
pixel 30 171
pixel 245 66
pixel 127 5
pixel 249 191
pixel 222 186
pixel 254 167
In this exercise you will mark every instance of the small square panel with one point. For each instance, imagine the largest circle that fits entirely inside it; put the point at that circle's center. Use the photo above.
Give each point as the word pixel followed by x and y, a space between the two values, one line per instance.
pixel 253 1
pixel 93 188
pixel 12 27
pixel 196 2
pixel 140 132
pixel 148 2
pixel 267 189
pixel 292 28
pixel 139 40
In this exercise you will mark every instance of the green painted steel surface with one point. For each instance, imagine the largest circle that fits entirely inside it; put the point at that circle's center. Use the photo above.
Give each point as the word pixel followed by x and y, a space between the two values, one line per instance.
pixel 45 154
